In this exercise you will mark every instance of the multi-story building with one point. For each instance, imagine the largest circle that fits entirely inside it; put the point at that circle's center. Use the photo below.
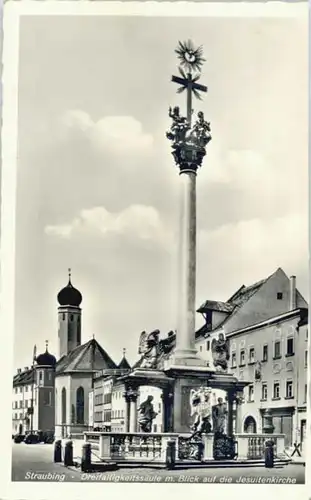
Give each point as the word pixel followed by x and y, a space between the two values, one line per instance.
pixel 33 395
pixel 266 328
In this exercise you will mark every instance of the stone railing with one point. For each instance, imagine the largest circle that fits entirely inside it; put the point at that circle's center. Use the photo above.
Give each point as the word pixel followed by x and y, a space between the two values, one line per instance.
pixel 130 447
pixel 152 447
pixel 252 446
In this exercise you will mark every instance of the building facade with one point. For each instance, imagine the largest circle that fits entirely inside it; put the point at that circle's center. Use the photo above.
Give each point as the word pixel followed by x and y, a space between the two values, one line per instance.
pixel 267 333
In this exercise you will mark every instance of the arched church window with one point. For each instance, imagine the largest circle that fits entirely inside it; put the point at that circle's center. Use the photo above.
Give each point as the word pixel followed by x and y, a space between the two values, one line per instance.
pixel 80 405
pixel 64 316
pixel 64 406
pixel 73 414
pixel 71 317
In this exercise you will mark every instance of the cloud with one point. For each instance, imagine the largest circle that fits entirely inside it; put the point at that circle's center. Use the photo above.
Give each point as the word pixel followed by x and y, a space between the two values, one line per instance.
pixel 136 221
pixel 122 134
pixel 250 250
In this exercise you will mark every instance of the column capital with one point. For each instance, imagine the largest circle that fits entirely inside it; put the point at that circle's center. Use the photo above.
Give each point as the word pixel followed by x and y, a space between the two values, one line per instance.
pixel 167 395
pixel 130 394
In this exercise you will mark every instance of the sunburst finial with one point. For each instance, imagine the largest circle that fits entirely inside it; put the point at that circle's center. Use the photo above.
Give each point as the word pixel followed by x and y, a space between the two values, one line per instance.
pixel 191 58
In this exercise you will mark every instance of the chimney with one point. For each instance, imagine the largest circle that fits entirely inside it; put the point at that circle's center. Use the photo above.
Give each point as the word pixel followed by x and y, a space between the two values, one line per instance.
pixel 292 297
pixel 26 368
pixel 19 370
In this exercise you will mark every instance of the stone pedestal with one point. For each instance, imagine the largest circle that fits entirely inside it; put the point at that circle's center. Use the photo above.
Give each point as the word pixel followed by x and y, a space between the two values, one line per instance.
pixel 208 440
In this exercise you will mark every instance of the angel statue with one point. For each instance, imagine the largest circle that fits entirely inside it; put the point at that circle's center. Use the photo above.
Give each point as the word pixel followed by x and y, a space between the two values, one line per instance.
pixel 179 127
pixel 146 414
pixel 201 131
pixel 220 352
pixel 148 347
pixel 201 410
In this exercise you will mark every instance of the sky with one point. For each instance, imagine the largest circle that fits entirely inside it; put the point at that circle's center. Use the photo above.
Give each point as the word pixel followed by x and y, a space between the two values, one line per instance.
pixel 97 188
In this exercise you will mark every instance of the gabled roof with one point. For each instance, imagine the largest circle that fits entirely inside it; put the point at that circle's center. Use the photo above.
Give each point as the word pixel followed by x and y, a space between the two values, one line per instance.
pixel 214 305
pixel 244 300
pixel 88 357
pixel 23 378
pixel 124 364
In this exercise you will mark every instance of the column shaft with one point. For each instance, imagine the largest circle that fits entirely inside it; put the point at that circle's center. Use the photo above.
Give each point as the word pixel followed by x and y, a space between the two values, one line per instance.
pixel 187 265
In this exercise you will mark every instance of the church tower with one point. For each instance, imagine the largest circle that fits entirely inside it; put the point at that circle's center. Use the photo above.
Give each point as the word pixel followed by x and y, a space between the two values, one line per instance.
pixel 69 318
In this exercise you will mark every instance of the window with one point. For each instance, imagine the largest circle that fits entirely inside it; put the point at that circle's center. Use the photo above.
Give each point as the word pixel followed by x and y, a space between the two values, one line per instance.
pixel 15 416
pixel 251 355
pixel 242 357
pixel 80 405
pixel 21 404
pixel 155 428
pixel 264 392
pixel 290 346
pixel 305 394
pixel 279 295
pixel 289 389
pixel 306 333
pixel 26 388
pixel 276 390
pixel 208 345
pixel 64 316
pixel 20 389
pixel 306 359
pixel 265 353
pixel 160 408
pixel 15 390
pixel 201 347
pixel 277 349
pixel 233 360
pixel 71 317
pixel 250 393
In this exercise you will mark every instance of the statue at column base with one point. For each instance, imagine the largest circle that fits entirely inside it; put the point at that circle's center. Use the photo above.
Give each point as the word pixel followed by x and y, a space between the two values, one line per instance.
pixel 219 415
pixel 220 353
pixel 149 348
pixel 146 415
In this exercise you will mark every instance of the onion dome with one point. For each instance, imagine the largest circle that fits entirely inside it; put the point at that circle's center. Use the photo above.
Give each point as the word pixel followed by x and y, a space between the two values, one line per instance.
pixel 69 296
pixel 45 359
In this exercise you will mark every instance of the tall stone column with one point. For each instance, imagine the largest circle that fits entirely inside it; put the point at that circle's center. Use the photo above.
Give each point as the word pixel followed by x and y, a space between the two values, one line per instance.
pixel 189 143
pixel 187 266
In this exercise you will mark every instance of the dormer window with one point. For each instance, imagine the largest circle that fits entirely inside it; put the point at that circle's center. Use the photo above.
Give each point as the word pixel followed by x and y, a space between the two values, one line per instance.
pixel 279 296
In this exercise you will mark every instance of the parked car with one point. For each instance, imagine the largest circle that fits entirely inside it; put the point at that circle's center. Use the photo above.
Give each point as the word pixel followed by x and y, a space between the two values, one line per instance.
pixel 18 438
pixel 46 437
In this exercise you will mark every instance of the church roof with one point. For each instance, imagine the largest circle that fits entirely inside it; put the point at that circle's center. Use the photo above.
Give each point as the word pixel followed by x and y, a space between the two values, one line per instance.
pixel 88 357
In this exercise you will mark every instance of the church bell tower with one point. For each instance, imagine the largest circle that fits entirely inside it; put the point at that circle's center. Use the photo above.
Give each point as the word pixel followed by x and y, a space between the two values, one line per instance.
pixel 69 318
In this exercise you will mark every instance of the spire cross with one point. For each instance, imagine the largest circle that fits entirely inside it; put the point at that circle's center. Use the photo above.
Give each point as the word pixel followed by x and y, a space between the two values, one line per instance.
pixel 189 83
pixel 46 344
pixel 69 273
pixel 124 352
